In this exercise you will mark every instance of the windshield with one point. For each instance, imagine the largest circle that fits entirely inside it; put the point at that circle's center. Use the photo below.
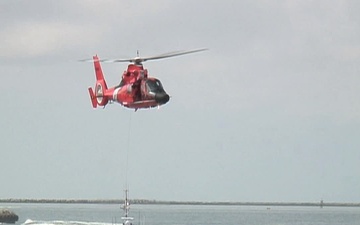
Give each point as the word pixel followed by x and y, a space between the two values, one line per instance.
pixel 154 86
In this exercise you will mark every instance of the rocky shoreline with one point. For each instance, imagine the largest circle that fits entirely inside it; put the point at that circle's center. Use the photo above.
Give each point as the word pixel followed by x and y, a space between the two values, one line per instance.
pixel 7 216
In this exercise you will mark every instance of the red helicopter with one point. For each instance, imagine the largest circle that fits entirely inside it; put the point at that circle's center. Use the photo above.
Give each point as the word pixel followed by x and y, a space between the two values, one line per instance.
pixel 136 90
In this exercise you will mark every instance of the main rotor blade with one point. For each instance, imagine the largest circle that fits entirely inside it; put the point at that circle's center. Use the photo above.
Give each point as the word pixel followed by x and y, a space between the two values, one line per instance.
pixel 172 54
pixel 92 60
pixel 139 60
pixel 120 60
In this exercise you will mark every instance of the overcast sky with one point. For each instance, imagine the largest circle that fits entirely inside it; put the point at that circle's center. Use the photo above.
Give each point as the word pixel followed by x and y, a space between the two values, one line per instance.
pixel 270 113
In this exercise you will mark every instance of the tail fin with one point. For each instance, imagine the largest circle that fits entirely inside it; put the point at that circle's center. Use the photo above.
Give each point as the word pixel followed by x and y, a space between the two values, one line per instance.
pixel 92 97
pixel 98 71
pixel 98 97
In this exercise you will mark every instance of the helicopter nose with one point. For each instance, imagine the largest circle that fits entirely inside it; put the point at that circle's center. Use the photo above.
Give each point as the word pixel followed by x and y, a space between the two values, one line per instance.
pixel 162 98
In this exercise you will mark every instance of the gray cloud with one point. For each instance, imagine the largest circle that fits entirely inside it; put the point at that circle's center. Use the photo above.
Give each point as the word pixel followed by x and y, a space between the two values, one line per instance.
pixel 271 107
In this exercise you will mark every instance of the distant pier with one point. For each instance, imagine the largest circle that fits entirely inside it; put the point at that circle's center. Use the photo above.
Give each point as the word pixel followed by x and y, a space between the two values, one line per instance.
pixel 156 202
pixel 7 216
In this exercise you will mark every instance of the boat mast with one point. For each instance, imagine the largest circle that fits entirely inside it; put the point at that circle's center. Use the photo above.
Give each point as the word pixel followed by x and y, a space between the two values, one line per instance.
pixel 126 203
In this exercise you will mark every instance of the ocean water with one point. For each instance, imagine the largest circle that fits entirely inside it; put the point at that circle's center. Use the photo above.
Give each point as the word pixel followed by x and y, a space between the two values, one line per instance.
pixel 107 214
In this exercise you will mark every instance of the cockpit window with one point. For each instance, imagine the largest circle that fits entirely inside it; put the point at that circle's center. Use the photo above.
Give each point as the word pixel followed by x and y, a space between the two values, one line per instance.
pixel 154 86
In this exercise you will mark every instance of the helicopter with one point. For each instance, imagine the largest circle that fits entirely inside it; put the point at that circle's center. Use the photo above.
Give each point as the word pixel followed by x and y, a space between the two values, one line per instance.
pixel 137 90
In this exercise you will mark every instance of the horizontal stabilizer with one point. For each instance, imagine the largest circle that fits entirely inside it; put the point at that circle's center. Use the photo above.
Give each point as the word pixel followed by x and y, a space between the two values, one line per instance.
pixel 92 97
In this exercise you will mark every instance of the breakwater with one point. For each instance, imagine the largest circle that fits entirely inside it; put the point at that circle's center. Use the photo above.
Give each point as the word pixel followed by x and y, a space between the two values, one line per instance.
pixel 157 202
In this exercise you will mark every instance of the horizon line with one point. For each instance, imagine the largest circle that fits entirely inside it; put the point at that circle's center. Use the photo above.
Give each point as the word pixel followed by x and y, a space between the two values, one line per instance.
pixel 162 202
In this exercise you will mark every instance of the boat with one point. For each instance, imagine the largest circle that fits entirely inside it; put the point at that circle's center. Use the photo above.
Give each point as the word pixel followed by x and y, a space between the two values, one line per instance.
pixel 126 219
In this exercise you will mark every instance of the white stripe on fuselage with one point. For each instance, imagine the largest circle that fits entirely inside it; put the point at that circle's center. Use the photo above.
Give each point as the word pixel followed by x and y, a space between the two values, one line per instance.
pixel 115 93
